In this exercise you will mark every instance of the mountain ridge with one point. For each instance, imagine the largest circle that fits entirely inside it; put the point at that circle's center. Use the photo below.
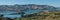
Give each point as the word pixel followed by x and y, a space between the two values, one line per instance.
pixel 25 7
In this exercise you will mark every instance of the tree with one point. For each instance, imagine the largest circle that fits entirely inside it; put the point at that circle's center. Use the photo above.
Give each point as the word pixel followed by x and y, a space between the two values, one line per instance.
pixel 22 14
pixel 1 15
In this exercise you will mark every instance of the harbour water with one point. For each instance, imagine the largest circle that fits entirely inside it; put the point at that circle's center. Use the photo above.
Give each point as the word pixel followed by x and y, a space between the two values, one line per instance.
pixel 58 8
pixel 6 14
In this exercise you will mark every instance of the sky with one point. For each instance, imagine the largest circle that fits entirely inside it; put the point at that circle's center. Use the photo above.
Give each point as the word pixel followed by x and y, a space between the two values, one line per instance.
pixel 55 3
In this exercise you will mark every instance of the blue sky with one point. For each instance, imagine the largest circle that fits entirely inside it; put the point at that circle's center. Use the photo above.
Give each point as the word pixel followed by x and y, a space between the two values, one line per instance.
pixel 55 3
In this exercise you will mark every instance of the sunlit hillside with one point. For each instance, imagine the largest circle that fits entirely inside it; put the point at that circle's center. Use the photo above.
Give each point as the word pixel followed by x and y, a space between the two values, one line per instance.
pixel 53 15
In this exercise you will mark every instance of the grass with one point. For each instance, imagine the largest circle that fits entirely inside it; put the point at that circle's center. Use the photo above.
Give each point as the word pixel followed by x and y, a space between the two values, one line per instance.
pixel 54 15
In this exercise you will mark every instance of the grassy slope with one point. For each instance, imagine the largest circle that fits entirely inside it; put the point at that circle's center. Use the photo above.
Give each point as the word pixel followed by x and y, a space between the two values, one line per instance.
pixel 54 15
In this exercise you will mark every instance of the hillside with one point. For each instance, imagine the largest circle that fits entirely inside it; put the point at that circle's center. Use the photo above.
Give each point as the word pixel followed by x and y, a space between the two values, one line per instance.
pixel 25 7
pixel 54 15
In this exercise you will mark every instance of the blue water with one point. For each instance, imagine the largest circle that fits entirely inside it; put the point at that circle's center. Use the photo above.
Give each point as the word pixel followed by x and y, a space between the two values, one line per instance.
pixel 58 8
pixel 12 16
pixel 32 11
pixel 6 14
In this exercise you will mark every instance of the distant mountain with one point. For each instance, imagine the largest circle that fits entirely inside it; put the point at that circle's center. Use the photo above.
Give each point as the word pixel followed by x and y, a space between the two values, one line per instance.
pixel 25 7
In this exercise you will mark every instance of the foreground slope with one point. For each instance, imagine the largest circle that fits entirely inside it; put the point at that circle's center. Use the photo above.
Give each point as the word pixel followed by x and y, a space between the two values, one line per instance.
pixel 54 15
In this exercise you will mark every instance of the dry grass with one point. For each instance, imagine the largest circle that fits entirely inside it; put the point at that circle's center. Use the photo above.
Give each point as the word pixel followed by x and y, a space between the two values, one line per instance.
pixel 51 16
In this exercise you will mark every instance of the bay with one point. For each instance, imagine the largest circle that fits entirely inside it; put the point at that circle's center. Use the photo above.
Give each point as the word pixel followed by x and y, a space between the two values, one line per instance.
pixel 6 13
